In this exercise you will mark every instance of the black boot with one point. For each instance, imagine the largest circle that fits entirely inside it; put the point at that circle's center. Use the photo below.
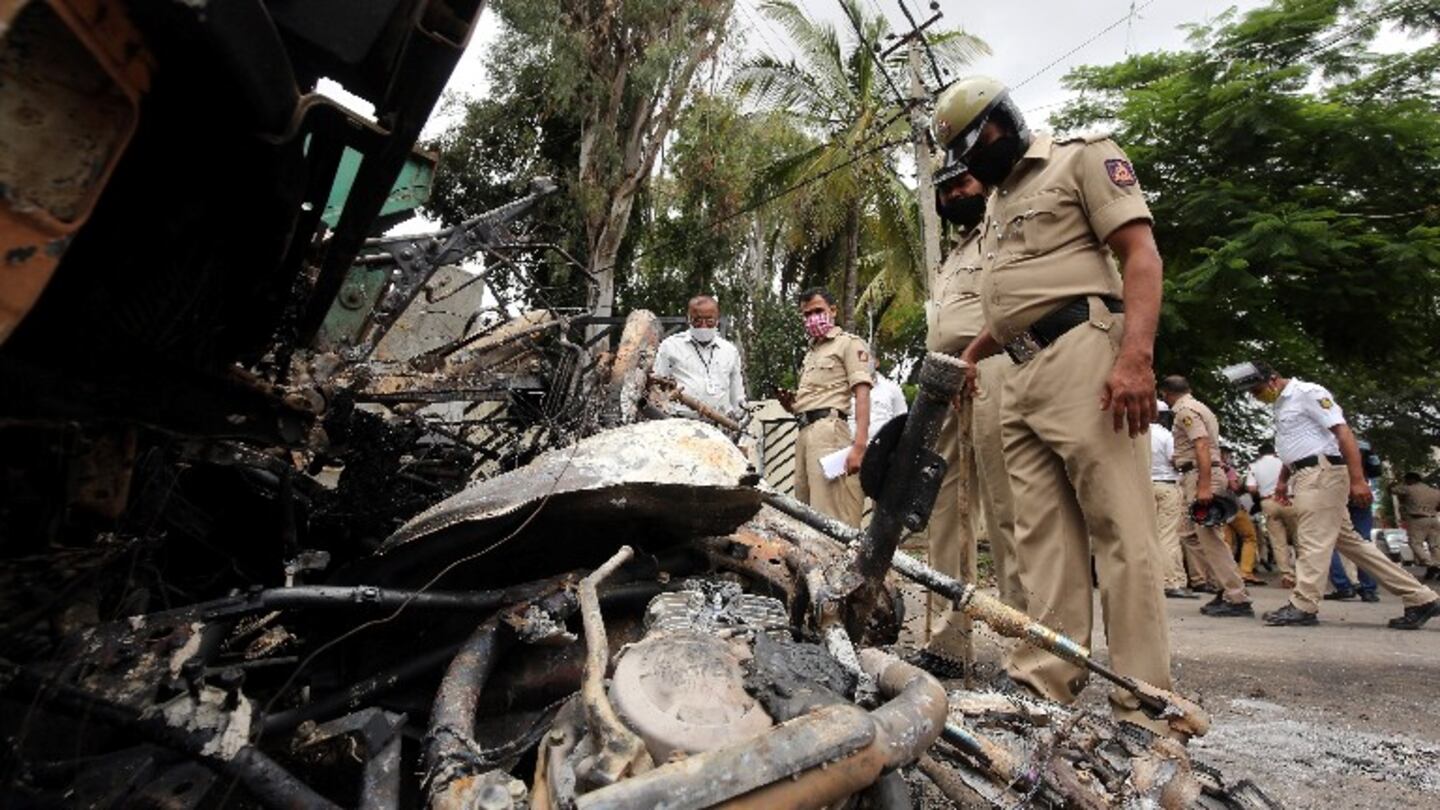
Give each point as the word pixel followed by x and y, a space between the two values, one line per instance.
pixel 1415 617
pixel 1290 616
pixel 1223 609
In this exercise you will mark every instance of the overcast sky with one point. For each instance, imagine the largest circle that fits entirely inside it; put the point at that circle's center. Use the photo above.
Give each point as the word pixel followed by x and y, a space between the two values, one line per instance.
pixel 1025 36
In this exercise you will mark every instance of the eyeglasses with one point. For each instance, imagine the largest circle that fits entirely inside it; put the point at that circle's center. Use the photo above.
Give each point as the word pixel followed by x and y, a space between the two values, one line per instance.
pixel 704 322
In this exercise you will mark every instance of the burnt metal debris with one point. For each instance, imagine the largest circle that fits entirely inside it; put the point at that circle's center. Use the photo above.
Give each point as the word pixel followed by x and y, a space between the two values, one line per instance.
pixel 295 513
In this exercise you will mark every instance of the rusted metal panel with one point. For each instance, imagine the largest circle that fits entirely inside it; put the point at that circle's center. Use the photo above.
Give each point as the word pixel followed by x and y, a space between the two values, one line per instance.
pixel 71 76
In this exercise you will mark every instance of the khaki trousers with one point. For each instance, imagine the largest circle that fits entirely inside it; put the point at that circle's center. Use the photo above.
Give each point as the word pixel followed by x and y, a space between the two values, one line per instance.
pixel 1242 531
pixel 1424 534
pixel 1080 489
pixel 951 535
pixel 1282 530
pixel 1199 572
pixel 1320 494
pixel 1208 541
pixel 994 481
pixel 1168 515
pixel 840 498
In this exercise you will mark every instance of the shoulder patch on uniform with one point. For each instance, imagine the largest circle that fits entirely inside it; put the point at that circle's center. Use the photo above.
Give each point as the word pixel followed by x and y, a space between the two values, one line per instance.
pixel 864 355
pixel 1186 421
pixel 1327 403
pixel 1120 171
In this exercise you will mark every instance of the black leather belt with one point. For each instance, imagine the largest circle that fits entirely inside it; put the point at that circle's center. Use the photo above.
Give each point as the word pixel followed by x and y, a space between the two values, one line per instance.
pixel 1048 329
pixel 1187 466
pixel 807 418
pixel 1311 461
pixel 1419 517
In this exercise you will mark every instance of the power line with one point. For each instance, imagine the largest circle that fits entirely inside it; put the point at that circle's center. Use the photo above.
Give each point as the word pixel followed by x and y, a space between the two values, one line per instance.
pixel 879 64
pixel 1102 32
pixel 785 192
pixel 1381 14
pixel 759 26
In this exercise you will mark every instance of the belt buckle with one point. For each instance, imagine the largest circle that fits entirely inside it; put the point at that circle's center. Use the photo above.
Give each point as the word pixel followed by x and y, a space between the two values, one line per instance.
pixel 1023 348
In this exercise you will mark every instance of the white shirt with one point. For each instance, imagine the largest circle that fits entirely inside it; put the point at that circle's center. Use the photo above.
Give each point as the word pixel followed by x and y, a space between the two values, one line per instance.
pixel 1162 451
pixel 1304 414
pixel 1264 474
pixel 887 401
pixel 708 372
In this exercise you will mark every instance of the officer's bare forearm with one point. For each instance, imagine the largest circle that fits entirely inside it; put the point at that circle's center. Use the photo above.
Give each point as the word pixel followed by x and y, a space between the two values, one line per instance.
pixel 981 347
pixel 862 414
pixel 1134 243
pixel 1350 451
pixel 1202 464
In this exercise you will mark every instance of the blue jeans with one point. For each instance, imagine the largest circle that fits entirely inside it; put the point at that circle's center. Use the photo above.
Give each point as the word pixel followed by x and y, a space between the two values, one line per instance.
pixel 1361 518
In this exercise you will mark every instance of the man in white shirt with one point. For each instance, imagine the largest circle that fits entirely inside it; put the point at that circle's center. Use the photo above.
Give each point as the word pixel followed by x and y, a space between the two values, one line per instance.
pixel 1165 481
pixel 1281 529
pixel 887 401
pixel 1322 470
pixel 706 366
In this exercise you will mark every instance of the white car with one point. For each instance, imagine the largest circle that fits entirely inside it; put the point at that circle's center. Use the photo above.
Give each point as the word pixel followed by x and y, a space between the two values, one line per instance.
pixel 1395 543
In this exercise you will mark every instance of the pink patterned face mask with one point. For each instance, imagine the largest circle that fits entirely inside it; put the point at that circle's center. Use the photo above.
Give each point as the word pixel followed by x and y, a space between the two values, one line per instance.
pixel 818 323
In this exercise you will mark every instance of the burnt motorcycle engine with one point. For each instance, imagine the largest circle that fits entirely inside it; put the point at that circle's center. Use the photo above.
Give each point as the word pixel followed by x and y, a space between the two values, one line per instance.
pixel 705 673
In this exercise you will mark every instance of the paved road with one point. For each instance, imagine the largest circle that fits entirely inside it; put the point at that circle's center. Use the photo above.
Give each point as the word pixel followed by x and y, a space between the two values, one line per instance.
pixel 1344 714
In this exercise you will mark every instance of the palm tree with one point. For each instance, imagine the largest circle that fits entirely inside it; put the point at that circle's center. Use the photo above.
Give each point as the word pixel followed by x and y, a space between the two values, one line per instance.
pixel 833 87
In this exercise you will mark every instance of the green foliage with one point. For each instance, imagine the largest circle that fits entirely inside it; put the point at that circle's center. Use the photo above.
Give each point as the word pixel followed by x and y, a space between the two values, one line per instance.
pixel 1293 173
pixel 855 230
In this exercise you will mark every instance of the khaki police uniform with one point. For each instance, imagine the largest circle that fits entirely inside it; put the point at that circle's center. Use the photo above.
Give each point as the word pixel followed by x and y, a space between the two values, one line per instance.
pixel 1418 504
pixel 831 369
pixel 994 479
pixel 955 319
pixel 1281 527
pixel 1194 420
pixel 1305 414
pixel 1080 488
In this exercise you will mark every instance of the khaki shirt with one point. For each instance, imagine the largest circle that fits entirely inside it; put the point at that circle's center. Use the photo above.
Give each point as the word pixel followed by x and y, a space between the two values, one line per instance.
pixel 1194 420
pixel 1417 500
pixel 831 368
pixel 955 299
pixel 1045 230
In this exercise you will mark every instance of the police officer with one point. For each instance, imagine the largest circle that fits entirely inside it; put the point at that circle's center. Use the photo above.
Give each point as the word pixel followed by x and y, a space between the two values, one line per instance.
pixel 1280 526
pixel 1322 472
pixel 1418 504
pixel 1197 457
pixel 836 366
pixel 1081 393
pixel 954 316
pixel 1165 483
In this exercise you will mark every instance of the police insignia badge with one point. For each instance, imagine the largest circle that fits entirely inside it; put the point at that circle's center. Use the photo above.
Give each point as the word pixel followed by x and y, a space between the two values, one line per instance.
pixel 1120 171
pixel 1186 421
pixel 1326 403
pixel 864 356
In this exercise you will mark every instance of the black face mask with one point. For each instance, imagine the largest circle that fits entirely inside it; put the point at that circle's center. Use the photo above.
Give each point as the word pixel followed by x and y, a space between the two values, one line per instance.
pixel 963 211
pixel 992 163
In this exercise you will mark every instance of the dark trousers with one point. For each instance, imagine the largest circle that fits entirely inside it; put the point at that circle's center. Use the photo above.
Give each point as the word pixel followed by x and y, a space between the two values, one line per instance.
pixel 1360 516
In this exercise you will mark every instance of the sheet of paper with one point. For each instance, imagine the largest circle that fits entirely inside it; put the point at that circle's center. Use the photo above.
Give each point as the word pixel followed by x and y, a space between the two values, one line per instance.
pixel 833 464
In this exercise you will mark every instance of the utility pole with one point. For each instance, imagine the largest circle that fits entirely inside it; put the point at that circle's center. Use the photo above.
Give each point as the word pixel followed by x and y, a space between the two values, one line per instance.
pixel 963 537
pixel 924 166
pixel 919 132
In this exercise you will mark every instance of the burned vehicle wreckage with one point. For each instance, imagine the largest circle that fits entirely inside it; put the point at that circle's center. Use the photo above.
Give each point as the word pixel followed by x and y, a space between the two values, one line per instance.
pixel 271 540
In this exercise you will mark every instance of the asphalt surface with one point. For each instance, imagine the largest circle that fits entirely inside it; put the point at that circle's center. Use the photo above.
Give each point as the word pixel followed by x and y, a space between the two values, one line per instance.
pixel 1344 714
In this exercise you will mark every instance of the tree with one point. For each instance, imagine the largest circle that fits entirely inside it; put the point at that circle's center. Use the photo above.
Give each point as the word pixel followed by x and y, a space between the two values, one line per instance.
pixel 1293 173
pixel 836 91
pixel 610 78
